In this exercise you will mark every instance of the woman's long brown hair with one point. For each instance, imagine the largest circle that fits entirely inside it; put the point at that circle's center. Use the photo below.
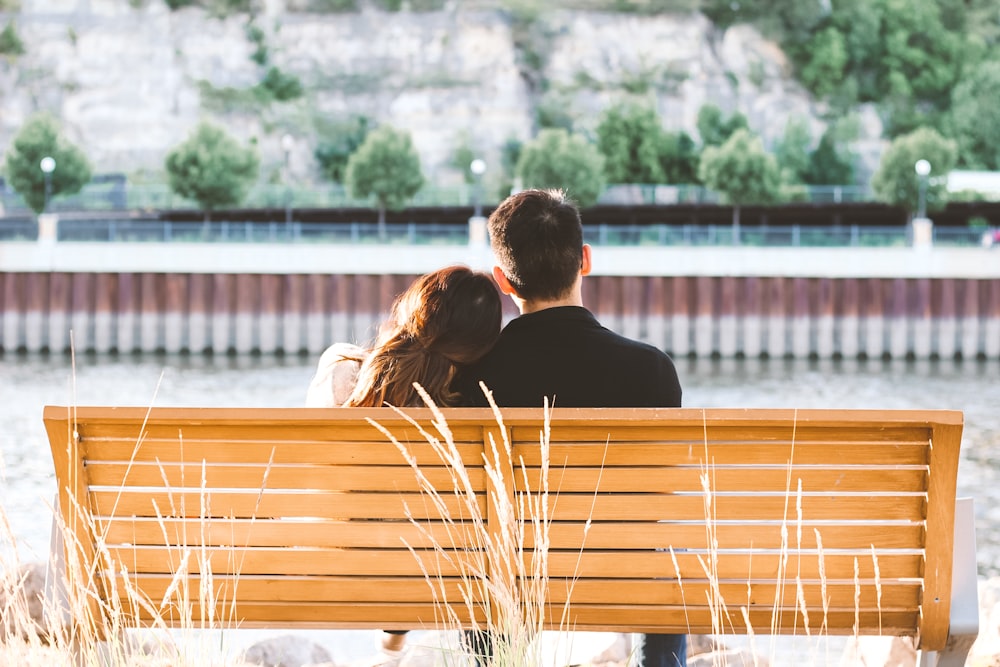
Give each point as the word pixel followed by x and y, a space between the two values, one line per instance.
pixel 444 320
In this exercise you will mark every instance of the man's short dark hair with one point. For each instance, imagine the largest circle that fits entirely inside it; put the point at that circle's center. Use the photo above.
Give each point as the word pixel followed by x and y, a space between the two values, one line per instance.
pixel 537 237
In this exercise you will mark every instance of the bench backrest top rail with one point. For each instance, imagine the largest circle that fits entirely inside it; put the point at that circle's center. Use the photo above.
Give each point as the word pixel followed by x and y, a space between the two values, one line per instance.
pixel 842 515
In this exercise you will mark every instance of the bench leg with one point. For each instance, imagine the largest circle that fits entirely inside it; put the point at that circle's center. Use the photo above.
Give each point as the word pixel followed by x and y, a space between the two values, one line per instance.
pixel 963 625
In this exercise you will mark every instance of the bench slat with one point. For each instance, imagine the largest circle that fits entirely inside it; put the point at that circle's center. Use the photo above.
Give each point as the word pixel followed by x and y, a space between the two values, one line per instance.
pixel 247 504
pixel 282 532
pixel 563 535
pixel 355 478
pixel 892 594
pixel 589 564
pixel 781 453
pixel 167 451
pixel 728 478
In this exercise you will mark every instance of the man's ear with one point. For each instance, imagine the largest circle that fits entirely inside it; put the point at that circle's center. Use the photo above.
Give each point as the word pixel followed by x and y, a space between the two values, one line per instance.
pixel 502 282
pixel 585 264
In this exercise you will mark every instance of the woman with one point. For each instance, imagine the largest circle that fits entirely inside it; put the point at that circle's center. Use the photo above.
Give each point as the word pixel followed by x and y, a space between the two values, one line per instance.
pixel 444 320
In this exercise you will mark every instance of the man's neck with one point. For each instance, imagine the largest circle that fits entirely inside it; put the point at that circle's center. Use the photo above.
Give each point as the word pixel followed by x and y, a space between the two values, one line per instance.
pixel 535 305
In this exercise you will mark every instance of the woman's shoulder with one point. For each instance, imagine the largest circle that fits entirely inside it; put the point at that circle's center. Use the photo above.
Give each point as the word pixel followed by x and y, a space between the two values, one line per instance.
pixel 343 352
pixel 336 375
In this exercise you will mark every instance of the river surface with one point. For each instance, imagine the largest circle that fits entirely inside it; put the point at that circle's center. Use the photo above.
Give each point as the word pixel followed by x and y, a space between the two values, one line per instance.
pixel 27 383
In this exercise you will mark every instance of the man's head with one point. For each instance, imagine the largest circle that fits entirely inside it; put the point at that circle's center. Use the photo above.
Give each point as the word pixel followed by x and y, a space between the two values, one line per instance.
pixel 537 237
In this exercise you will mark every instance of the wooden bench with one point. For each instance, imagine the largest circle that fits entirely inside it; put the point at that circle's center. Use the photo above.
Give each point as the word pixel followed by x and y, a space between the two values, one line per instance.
pixel 696 521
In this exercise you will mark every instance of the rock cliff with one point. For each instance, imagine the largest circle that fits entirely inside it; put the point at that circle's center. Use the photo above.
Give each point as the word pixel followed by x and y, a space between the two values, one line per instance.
pixel 130 78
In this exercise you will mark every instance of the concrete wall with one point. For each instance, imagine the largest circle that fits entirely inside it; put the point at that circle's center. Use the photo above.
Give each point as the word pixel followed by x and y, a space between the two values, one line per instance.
pixel 302 310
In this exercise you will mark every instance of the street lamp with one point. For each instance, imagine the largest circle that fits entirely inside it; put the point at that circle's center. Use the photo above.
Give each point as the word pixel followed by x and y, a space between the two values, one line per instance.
pixel 478 168
pixel 47 165
pixel 287 143
pixel 923 168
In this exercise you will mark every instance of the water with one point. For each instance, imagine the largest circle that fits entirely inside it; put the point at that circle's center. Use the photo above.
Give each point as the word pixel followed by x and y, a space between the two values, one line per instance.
pixel 29 382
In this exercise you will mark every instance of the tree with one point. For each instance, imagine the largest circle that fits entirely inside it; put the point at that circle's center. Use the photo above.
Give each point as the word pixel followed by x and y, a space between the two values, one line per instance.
pixel 387 167
pixel 896 181
pixel 679 158
pixel 10 42
pixel 742 171
pixel 630 138
pixel 338 141
pixel 792 151
pixel 715 128
pixel 831 163
pixel 212 169
pixel 824 70
pixel 975 117
pixel 557 159
pixel 39 138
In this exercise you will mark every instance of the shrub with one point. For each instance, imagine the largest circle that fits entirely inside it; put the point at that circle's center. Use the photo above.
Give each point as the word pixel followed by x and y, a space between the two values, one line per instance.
pixel 387 167
pixel 281 86
pixel 558 159
pixel 896 181
pixel 212 169
pixel 10 41
pixel 39 138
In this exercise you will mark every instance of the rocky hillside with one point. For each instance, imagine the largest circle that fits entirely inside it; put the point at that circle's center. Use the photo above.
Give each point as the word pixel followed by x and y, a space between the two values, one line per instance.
pixel 130 78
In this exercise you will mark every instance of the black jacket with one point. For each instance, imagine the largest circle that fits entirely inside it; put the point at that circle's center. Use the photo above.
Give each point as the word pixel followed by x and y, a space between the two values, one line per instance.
pixel 564 353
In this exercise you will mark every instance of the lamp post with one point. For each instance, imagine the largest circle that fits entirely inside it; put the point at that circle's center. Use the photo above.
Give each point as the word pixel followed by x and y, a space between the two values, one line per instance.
pixel 287 143
pixel 478 168
pixel 47 165
pixel 923 168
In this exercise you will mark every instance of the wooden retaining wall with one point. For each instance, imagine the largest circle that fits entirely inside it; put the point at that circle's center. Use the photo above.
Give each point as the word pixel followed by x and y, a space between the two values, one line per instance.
pixel 697 315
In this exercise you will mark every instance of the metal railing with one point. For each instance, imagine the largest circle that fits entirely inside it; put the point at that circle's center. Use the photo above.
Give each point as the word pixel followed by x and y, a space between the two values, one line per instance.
pixel 157 231
pixel 119 195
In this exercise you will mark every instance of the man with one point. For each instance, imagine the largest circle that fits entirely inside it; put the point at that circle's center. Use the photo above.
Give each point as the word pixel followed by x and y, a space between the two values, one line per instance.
pixel 557 348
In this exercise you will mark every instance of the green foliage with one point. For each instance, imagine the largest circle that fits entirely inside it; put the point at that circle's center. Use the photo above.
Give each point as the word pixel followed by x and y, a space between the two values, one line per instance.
pixel 896 181
pixel 823 72
pixel 715 128
pixel 462 157
pixel 558 159
pixel 741 170
pixel 256 36
pixel 679 158
pixel 337 142
pixel 554 110
pixel 281 86
pixel 975 117
pixel 211 168
pixel 332 6
pixel 178 4
pixel 652 7
pixel 10 41
pixel 38 138
pixel 387 167
pixel 831 163
pixel 725 13
pixel 628 135
pixel 792 151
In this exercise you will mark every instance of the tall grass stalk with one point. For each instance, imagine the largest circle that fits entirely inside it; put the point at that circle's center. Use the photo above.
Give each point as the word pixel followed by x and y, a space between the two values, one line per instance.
pixel 501 557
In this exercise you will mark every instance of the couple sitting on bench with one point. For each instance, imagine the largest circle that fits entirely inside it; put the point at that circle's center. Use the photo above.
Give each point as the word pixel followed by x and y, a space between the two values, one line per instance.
pixel 444 333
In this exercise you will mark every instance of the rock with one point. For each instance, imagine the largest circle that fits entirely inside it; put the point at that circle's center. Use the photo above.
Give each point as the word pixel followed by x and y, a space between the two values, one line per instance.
pixel 727 658
pixel 879 652
pixel 698 644
pixel 286 651
pixel 436 649
pixel 21 602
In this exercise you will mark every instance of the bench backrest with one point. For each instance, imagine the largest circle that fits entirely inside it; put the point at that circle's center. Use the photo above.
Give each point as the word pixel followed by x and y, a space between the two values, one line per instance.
pixel 658 520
